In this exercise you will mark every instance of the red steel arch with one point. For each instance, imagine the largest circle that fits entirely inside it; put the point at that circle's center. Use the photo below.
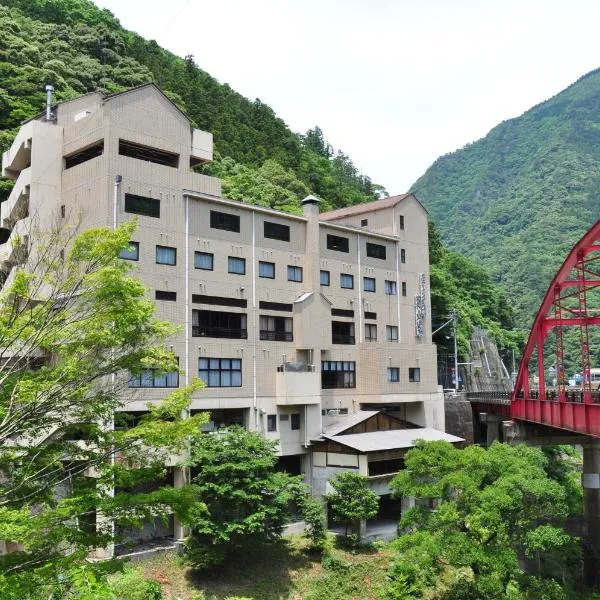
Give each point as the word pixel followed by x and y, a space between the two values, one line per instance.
pixel 565 305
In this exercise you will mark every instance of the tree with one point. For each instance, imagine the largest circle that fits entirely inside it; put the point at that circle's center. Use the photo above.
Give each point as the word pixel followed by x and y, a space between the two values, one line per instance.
pixel 492 505
pixel 247 500
pixel 74 324
pixel 352 500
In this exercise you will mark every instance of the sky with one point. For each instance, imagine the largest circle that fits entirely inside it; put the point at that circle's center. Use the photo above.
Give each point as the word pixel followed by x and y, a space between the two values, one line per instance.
pixel 393 84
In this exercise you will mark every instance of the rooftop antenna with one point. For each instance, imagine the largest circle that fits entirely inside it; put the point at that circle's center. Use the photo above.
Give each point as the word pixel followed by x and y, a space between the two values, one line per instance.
pixel 49 90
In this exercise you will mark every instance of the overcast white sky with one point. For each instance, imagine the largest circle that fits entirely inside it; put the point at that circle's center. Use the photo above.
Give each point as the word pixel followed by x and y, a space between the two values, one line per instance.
pixel 392 84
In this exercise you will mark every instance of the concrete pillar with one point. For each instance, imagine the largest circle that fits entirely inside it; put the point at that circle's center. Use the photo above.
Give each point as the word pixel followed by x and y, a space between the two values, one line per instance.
pixel 180 533
pixel 492 432
pixel 406 503
pixel 591 512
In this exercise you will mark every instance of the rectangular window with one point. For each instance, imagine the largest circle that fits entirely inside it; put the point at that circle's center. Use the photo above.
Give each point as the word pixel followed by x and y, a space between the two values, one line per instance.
pixel 275 306
pixel 276 329
pixel 346 281
pixel 204 261
pixel 295 421
pixel 217 324
pixel 370 332
pixel 220 372
pixel 337 243
pixel 63 211
pixel 402 255
pixel 266 270
pixel 271 422
pixel 236 265
pixel 294 273
pixel 81 156
pixel 325 278
pixel 370 315
pixel 219 300
pixel 142 205
pixel 342 332
pixel 391 333
pixel 342 312
pixel 153 378
pixel 276 231
pixel 166 255
pixel 364 222
pixel 404 288
pixel 369 284
pixel 338 374
pixel 132 252
pixel 394 374
pixel 225 221
pixel 164 295
pixel 153 155
pixel 390 288
pixel 376 251
pixel 401 221
pixel 414 374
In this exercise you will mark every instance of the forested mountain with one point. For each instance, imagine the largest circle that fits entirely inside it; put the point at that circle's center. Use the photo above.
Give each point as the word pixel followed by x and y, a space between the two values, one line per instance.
pixel 79 47
pixel 516 200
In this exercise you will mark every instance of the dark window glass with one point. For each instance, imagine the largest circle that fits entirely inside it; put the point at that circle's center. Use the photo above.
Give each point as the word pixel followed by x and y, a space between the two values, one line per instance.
pixel 338 243
pixel 392 333
pixel 369 284
pixel 393 374
pixel 294 273
pixel 342 312
pixel 338 374
pixel 346 281
pixel 217 324
pixel 295 421
pixel 277 231
pixel 342 332
pixel 84 155
pixel 236 265
pixel 401 221
pixel 404 288
pixel 275 306
pixel 325 278
pixel 402 255
pixel 364 222
pixel 370 315
pixel 271 422
pixel 276 329
pixel 153 378
pixel 390 287
pixel 266 270
pixel 204 261
pixel 375 250
pixel 370 332
pixel 166 255
pixel 220 372
pixel 142 205
pixel 414 374
pixel 153 155
pixel 219 300
pixel 163 295
pixel 220 220
pixel 132 252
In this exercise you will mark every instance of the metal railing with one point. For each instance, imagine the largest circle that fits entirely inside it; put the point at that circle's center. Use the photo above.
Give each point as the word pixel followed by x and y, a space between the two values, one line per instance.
pixel 338 338
pixel 552 395
pixel 219 332
pixel 276 336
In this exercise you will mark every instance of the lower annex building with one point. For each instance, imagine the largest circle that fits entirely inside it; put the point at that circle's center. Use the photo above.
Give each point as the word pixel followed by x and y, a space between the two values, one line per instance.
pixel 303 327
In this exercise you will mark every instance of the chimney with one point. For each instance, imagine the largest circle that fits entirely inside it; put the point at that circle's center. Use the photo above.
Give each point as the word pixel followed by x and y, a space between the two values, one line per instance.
pixel 310 207
pixel 49 90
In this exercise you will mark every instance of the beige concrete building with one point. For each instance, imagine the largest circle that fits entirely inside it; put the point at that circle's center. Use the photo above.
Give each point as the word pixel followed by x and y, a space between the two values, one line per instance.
pixel 293 321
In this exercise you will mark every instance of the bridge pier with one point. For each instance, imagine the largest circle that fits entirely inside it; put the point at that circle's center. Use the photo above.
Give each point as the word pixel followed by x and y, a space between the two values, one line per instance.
pixel 493 427
pixel 590 480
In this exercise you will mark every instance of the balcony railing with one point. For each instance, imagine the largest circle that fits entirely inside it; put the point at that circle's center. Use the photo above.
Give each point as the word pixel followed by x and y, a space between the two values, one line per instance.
pixel 219 332
pixel 338 338
pixel 277 336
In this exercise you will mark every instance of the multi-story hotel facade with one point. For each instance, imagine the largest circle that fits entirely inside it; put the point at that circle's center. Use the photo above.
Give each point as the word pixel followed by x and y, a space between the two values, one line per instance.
pixel 294 322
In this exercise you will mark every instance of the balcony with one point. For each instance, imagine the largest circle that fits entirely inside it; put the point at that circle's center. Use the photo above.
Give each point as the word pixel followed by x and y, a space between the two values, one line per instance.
pixel 18 156
pixel 219 324
pixel 16 249
pixel 297 383
pixel 277 336
pixel 17 204
pixel 219 332
pixel 338 338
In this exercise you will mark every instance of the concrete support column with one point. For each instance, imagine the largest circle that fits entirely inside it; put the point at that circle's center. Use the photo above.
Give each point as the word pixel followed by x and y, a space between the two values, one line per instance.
pixel 406 503
pixel 591 511
pixel 492 423
pixel 181 477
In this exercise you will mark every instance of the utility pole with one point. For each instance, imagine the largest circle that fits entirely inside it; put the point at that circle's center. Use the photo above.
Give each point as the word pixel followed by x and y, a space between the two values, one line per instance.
pixel 454 314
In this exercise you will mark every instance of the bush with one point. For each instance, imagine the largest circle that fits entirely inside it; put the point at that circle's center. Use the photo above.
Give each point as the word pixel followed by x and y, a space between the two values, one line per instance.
pixel 314 520
pixel 132 585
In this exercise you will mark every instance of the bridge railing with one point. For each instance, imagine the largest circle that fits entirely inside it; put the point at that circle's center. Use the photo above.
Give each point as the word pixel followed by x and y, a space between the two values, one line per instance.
pixel 552 395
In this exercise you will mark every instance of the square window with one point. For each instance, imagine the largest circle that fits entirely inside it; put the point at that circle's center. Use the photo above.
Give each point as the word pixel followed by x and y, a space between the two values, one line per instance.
pixel 295 421
pixel 369 284
pixel 390 288
pixel 266 269
pixel 364 222
pixel 294 273
pixel 402 255
pixel 337 243
pixel 132 252
pixel 346 281
pixel 325 278
pixel 223 372
pixel 166 255
pixel 404 288
pixel 204 261
pixel 271 422
pixel 391 333
pixel 236 265
pixel 394 374
pixel 414 374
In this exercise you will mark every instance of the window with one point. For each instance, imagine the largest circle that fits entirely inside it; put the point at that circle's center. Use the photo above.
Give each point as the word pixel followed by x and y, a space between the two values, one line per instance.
pixel 154 378
pixel 217 324
pixel 364 222
pixel 271 422
pixel 346 281
pixel 295 421
pixel 342 332
pixel 337 243
pixel 142 205
pixel 164 295
pixel 235 265
pixel 393 374
pixel 370 315
pixel 63 211
pixel 325 278
pixel 220 372
pixel 376 251
pixel 166 255
pixel 294 273
pixel 266 269
pixel 391 333
pixel 370 332
pixel 404 288
pixel 225 221
pixel 204 261
pixel 390 288
pixel 414 374
pixel 275 306
pixel 84 155
pixel 342 312
pixel 154 155
pixel 369 284
pixel 338 374
pixel 276 231
pixel 132 252
pixel 276 329
pixel 401 221
pixel 402 255
pixel 219 300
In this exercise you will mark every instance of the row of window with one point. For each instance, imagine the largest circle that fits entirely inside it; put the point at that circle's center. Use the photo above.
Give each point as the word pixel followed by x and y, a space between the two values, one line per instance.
pixel 293 418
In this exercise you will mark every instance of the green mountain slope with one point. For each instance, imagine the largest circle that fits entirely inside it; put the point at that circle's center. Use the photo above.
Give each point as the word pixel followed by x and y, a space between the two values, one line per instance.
pixel 516 200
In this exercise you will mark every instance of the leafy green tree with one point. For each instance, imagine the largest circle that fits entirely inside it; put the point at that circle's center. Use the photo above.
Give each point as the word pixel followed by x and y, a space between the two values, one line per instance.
pixel 246 499
pixel 352 500
pixel 313 515
pixel 492 505
pixel 74 323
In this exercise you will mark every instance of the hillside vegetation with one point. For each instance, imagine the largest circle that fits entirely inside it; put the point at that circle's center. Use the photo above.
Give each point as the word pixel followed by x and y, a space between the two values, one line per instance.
pixel 79 47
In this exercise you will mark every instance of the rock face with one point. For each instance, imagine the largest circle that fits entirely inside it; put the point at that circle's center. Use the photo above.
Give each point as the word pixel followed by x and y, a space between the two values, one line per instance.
pixel 459 418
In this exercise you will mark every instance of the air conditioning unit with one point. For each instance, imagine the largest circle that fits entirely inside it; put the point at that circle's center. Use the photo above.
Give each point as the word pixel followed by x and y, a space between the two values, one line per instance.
pixel 333 411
